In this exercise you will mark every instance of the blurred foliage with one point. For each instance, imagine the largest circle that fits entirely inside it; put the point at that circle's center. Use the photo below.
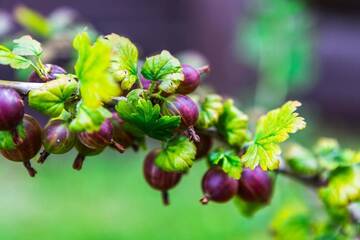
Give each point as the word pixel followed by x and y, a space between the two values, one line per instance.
pixel 109 199
pixel 293 221
pixel 275 38
pixel 57 31
pixel 33 21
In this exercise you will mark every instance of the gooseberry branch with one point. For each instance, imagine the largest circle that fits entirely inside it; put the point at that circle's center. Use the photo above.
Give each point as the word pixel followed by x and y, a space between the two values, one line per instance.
pixel 25 87
pixel 110 102
pixel 22 87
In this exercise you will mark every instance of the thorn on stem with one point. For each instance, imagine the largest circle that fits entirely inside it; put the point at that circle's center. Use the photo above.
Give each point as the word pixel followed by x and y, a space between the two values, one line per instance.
pixel 43 156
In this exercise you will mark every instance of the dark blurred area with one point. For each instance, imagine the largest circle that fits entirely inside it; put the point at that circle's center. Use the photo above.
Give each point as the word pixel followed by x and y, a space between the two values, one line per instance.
pixel 210 26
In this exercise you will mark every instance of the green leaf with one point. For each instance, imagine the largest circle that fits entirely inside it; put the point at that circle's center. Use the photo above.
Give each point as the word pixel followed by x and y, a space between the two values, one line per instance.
pixel 7 138
pixel 271 130
pixel 124 60
pixel 325 146
pixel 27 46
pixel 96 83
pixel 178 155
pixel 300 160
pixel 331 156
pixel 233 124
pixel 143 117
pixel 50 99
pixel 9 58
pixel 165 68
pixel 33 21
pixel 229 161
pixel 343 187
pixel 89 119
pixel 292 222
pixel 210 110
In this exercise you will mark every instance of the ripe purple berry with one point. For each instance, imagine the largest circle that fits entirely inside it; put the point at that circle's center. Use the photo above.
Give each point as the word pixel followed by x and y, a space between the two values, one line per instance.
pixel 100 138
pixel 56 138
pixel 187 109
pixel 159 179
pixel 29 147
pixel 255 186
pixel 217 186
pixel 83 151
pixel 191 79
pixel 11 109
pixel 52 71
pixel 119 134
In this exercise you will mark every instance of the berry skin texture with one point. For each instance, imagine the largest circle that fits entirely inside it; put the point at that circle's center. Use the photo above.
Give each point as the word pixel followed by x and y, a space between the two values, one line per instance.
pixel 52 71
pixel 255 186
pixel 11 109
pixel 157 178
pixel 183 106
pixel 101 138
pixel 191 80
pixel 119 135
pixel 217 186
pixel 29 147
pixel 56 138
pixel 98 139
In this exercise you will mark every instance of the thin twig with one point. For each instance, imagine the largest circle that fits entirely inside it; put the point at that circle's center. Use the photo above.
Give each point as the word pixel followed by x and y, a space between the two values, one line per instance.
pixel 21 87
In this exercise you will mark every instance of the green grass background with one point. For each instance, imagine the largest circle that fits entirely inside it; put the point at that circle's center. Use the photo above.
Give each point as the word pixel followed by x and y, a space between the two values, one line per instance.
pixel 109 199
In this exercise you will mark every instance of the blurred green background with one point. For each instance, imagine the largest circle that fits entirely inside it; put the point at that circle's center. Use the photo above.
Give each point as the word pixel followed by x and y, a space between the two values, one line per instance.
pixel 109 199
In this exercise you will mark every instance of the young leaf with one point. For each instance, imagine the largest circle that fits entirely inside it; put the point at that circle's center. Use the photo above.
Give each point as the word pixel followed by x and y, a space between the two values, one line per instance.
pixel 343 187
pixel 331 156
pixel 96 84
pixel 52 96
pixel 143 117
pixel 271 130
pixel 300 160
pixel 27 46
pixel 178 155
pixel 165 68
pixel 89 119
pixel 228 160
pixel 33 21
pixel 210 110
pixel 233 124
pixel 9 58
pixel 124 60
pixel 7 138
